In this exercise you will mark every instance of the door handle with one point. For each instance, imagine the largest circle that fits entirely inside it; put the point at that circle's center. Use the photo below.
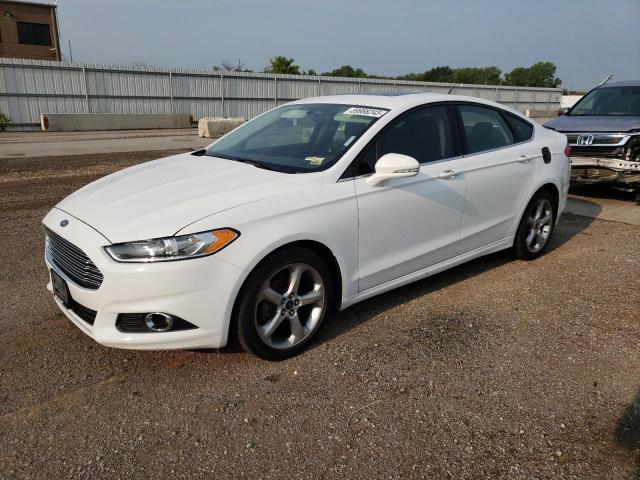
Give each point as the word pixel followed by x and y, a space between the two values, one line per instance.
pixel 524 158
pixel 447 174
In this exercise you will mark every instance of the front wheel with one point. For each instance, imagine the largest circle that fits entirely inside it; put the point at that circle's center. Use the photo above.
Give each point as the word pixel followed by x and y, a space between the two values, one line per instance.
pixel 536 227
pixel 283 303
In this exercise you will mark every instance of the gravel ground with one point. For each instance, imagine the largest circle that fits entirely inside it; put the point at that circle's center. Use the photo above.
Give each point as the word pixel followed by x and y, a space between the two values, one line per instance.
pixel 496 369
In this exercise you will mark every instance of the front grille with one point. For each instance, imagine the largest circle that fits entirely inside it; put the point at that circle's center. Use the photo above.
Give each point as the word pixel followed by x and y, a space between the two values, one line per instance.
pixel 599 138
pixel 606 152
pixel 72 261
pixel 83 312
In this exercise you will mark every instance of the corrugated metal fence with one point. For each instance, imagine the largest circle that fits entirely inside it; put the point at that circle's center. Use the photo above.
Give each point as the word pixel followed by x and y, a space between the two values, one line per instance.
pixel 31 87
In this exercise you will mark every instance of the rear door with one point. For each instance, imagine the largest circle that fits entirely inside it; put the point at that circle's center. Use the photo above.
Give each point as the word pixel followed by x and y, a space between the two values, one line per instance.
pixel 499 164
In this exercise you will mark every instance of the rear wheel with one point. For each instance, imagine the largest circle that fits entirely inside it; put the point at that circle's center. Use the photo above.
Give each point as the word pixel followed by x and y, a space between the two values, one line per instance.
pixel 283 303
pixel 536 227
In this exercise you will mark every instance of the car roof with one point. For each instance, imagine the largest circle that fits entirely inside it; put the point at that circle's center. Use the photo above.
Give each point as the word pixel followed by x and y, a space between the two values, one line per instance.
pixel 396 101
pixel 627 83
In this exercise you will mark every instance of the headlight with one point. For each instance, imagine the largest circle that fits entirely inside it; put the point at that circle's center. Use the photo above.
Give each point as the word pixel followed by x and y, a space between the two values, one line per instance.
pixel 173 248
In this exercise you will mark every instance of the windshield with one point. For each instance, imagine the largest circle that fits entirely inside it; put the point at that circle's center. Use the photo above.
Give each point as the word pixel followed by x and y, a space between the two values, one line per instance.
pixel 609 101
pixel 297 138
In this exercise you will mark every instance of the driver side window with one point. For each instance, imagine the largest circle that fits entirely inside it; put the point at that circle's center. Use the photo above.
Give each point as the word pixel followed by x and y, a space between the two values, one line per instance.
pixel 424 134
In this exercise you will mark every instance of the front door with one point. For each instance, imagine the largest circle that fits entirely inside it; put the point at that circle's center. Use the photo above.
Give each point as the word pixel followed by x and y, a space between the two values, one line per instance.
pixel 408 224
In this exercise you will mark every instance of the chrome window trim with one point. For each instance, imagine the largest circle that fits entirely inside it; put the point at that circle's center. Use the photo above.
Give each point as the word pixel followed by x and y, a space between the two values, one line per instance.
pixel 455 104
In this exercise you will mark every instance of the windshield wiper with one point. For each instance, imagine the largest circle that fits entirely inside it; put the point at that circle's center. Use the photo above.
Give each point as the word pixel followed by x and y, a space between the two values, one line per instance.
pixel 241 160
pixel 252 162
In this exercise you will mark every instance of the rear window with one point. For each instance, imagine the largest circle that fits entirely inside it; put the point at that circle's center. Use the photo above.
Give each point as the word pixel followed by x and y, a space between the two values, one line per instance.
pixel 484 128
pixel 522 131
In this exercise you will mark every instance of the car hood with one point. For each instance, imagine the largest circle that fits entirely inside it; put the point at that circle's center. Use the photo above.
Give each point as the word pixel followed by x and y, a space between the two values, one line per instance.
pixel 159 198
pixel 569 123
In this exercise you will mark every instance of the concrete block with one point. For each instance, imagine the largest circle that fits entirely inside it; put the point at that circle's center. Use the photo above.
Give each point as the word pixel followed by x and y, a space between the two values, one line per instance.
pixel 67 122
pixel 214 127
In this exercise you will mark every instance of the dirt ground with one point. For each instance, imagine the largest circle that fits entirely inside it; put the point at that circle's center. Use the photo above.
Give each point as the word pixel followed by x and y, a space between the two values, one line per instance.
pixel 496 369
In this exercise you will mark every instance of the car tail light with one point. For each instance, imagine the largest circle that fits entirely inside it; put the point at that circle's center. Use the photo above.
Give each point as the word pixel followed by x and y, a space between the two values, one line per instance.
pixel 567 150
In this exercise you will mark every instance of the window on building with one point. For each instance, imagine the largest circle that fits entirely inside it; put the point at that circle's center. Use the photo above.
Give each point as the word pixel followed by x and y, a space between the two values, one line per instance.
pixel 34 34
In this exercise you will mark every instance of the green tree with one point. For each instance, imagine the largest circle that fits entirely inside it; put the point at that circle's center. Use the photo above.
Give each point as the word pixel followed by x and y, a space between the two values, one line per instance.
pixel 281 64
pixel 438 74
pixel 477 75
pixel 347 71
pixel 446 74
pixel 4 121
pixel 541 74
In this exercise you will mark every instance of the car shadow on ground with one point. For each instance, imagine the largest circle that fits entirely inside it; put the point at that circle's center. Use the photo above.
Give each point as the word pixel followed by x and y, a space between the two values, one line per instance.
pixel 627 433
pixel 604 192
pixel 571 225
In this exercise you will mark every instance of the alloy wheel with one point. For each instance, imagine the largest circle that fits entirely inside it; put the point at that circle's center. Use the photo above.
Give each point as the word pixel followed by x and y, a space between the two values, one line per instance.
pixel 290 305
pixel 539 225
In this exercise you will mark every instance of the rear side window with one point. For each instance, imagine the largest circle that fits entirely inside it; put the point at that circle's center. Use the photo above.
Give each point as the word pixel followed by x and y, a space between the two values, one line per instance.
pixel 423 134
pixel 522 131
pixel 484 128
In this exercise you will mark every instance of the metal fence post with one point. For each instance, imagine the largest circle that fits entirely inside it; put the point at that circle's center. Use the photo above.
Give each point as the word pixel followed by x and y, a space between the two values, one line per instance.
pixel 171 91
pixel 222 90
pixel 86 89
pixel 533 98
pixel 548 100
pixel 275 94
pixel 319 87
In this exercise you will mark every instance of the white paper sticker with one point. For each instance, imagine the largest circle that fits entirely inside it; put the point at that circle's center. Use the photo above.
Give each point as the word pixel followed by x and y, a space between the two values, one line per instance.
pixel 365 112
pixel 315 160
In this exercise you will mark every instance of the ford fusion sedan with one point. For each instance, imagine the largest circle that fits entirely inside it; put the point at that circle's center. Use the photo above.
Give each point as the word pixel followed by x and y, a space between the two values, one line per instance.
pixel 307 209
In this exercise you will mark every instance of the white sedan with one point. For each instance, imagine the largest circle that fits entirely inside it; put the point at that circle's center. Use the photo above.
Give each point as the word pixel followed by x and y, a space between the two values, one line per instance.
pixel 306 209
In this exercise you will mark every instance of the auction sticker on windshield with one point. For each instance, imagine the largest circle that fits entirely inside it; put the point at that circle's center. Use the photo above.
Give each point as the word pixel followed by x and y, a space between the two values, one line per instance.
pixel 365 112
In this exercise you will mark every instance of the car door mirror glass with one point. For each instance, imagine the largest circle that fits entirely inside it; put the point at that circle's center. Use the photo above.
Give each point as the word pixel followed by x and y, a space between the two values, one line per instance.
pixel 393 165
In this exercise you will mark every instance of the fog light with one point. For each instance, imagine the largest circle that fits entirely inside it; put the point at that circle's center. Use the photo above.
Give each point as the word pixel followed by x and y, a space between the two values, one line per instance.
pixel 158 322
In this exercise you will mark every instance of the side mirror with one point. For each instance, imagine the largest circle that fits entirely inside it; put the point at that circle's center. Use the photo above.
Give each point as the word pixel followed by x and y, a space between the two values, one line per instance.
pixel 563 111
pixel 394 165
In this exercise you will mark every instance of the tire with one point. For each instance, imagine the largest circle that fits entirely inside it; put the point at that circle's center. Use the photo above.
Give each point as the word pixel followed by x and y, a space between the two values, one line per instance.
pixel 283 303
pixel 536 227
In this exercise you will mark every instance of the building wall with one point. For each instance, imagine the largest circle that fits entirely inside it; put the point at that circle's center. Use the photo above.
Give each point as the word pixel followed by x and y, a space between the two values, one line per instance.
pixel 13 12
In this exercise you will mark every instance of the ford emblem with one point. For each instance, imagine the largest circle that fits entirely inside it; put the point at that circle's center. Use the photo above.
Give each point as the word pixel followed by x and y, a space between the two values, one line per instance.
pixel 64 223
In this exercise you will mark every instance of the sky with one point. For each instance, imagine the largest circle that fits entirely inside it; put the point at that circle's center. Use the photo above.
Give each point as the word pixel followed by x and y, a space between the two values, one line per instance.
pixel 586 39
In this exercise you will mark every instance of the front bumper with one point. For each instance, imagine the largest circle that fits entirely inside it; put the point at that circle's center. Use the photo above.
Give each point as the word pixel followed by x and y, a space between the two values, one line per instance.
pixel 201 291
pixel 591 170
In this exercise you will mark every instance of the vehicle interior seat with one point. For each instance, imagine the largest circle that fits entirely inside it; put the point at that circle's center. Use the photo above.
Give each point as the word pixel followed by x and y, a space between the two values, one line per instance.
pixel 353 129
pixel 482 137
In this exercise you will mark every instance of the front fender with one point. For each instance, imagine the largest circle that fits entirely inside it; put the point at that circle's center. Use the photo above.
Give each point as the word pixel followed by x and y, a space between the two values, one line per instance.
pixel 327 215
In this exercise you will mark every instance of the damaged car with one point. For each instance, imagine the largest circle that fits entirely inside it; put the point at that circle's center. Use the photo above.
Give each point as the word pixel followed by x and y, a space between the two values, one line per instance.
pixel 603 130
